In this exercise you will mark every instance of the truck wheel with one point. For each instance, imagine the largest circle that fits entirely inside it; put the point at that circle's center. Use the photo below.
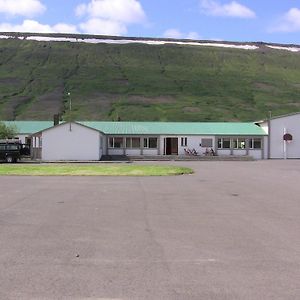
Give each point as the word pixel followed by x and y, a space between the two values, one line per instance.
pixel 9 159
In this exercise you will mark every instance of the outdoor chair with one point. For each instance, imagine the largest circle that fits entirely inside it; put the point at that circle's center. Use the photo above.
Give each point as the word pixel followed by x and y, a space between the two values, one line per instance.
pixel 194 152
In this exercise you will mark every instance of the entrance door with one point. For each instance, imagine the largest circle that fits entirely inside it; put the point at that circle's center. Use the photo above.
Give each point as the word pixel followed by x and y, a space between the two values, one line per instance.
pixel 171 146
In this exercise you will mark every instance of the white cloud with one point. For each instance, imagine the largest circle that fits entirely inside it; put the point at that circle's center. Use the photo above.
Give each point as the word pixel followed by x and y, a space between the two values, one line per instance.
pixel 193 36
pixel 64 28
pixel 105 27
pixel 290 22
pixel 110 17
pixel 34 26
pixel 174 33
pixel 124 11
pixel 26 8
pixel 81 10
pixel 106 17
pixel 232 9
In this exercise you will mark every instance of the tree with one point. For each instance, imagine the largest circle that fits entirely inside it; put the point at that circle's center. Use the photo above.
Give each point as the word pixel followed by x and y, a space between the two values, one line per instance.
pixel 7 131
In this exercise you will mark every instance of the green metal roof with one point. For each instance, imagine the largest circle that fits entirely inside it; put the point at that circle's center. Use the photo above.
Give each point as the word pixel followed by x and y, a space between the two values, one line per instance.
pixel 177 128
pixel 29 127
pixel 153 128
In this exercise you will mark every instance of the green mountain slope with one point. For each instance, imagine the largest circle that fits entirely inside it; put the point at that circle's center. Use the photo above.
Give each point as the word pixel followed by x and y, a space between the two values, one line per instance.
pixel 145 82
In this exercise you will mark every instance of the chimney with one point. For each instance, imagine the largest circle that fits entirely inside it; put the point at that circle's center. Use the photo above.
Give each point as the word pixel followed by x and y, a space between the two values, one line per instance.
pixel 55 119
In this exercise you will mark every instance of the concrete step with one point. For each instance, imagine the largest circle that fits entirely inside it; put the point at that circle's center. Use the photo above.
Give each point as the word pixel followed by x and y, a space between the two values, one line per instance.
pixel 115 158
pixel 191 158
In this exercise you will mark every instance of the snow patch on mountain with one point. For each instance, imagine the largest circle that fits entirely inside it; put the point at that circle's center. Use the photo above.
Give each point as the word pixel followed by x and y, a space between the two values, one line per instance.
pixel 291 49
pixel 123 41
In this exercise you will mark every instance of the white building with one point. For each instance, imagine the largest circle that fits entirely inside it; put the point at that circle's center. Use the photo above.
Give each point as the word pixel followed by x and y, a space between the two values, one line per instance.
pixel 279 129
pixel 68 141
pixel 92 140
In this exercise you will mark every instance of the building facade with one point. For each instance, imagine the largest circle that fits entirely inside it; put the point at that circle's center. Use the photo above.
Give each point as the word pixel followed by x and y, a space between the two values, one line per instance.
pixel 278 137
pixel 92 140
pixel 284 136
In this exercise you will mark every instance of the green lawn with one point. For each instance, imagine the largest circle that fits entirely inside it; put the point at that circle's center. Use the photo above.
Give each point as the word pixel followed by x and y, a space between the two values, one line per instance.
pixel 92 170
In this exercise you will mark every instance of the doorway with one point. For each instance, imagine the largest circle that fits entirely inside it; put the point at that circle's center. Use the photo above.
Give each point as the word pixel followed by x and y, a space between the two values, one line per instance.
pixel 171 146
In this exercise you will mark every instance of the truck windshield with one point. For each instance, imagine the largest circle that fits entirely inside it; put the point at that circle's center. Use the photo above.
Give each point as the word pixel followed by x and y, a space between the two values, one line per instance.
pixel 12 147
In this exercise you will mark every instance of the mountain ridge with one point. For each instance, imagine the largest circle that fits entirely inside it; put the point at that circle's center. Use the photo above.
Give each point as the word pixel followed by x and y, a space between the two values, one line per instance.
pixel 112 37
pixel 140 81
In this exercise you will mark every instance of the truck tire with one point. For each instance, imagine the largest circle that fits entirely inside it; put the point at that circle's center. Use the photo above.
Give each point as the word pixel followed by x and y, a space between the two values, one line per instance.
pixel 9 159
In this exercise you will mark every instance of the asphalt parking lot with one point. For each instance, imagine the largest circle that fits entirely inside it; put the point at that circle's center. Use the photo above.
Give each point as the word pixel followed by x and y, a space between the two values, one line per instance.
pixel 229 231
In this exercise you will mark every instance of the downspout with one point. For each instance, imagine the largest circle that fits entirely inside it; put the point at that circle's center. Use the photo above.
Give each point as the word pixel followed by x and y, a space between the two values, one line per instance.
pixel 269 138
pixel 284 145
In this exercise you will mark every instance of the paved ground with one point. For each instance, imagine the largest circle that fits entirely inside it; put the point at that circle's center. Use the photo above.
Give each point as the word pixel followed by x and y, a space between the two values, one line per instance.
pixel 230 231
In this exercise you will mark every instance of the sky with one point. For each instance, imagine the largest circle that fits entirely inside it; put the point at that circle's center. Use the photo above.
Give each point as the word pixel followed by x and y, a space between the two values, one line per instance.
pixel 275 21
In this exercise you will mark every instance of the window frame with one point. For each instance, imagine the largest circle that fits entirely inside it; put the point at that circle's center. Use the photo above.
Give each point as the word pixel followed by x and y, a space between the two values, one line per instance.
pixel 130 139
pixel 112 145
pixel 183 142
pixel 237 143
pixel 147 144
pixel 221 142
pixel 206 140
pixel 252 143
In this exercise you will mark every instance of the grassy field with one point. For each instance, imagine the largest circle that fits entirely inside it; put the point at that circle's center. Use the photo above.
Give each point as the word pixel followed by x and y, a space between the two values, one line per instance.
pixel 92 170
pixel 143 82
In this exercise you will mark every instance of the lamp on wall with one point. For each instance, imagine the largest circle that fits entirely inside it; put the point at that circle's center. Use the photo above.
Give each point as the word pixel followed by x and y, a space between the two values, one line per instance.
pixel 287 137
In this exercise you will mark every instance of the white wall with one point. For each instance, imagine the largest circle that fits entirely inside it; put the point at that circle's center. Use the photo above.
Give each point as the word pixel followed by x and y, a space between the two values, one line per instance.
pixel 223 151
pixel 150 152
pixel 103 146
pixel 81 143
pixel 239 152
pixel 266 147
pixel 115 151
pixel 22 137
pixel 255 153
pixel 276 131
pixel 133 152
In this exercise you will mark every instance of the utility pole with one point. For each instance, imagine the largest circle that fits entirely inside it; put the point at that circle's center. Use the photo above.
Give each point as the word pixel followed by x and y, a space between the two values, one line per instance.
pixel 70 110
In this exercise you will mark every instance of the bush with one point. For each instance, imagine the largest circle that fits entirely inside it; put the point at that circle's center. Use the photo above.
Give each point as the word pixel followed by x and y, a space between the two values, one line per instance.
pixel 7 132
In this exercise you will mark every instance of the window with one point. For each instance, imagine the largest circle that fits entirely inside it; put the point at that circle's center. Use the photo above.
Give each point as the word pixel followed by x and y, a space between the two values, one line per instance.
pixel 111 142
pixel 128 142
pixel 224 143
pixel 183 141
pixel 239 143
pixel 132 142
pixel 118 142
pixel 145 143
pixel 220 144
pixel 255 143
pixel 136 142
pixel 150 143
pixel 115 142
pixel 242 143
pixel 12 147
pixel 206 143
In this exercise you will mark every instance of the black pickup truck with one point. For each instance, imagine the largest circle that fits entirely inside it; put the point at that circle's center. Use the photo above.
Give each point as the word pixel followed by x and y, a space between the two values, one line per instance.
pixel 12 152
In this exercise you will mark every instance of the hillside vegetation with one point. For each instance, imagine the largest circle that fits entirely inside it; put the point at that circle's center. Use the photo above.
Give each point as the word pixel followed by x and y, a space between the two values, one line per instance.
pixel 145 82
